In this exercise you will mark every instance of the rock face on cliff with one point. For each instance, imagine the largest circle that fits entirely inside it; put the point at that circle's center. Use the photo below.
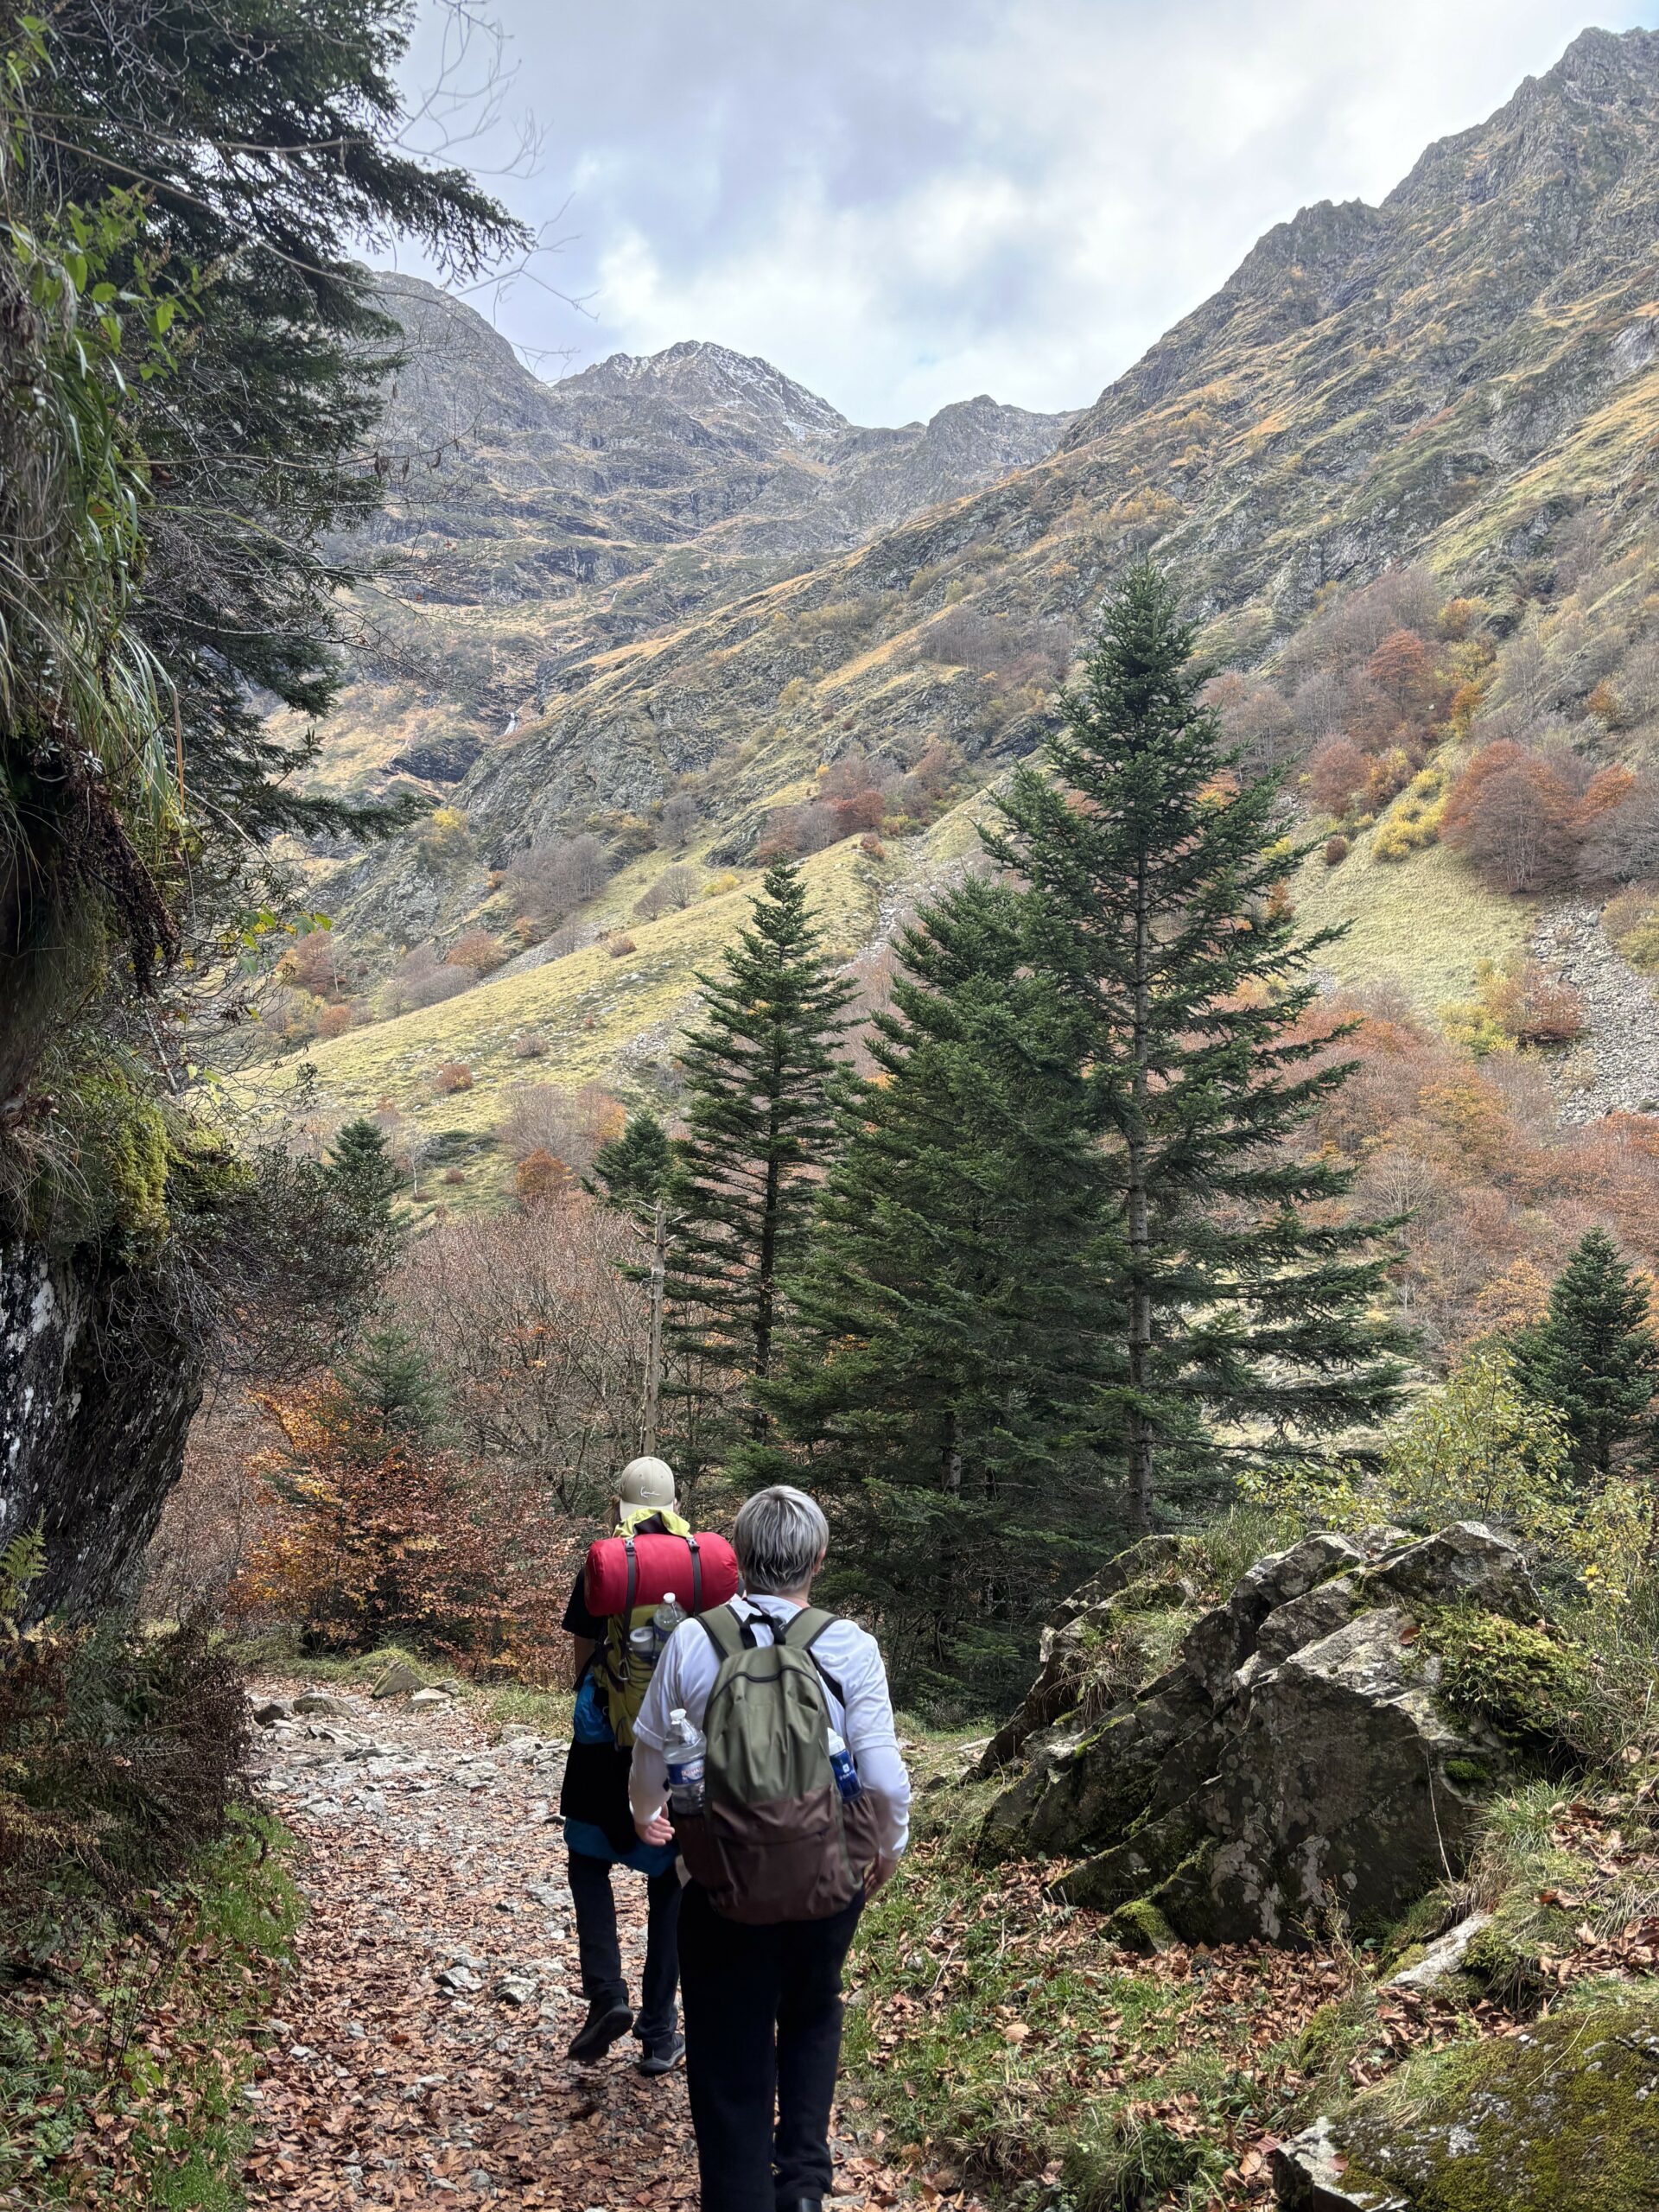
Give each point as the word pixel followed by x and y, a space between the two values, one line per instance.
pixel 98 1385
pixel 1294 1757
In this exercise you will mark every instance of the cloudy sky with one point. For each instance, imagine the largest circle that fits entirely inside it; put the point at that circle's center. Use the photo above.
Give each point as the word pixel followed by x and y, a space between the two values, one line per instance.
pixel 906 202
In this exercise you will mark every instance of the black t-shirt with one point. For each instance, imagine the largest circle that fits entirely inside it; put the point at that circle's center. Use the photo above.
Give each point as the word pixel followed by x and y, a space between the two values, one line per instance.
pixel 578 1621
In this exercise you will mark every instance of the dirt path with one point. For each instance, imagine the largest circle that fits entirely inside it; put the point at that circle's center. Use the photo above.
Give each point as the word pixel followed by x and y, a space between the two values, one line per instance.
pixel 419 2060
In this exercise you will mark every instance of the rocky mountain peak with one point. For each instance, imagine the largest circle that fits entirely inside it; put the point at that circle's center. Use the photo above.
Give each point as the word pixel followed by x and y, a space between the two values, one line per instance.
pixel 698 375
pixel 1320 244
pixel 1568 132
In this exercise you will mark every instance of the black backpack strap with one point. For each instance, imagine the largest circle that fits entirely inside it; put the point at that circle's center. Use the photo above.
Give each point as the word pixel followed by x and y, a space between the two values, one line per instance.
pixel 696 1574
pixel 802 1633
pixel 633 1575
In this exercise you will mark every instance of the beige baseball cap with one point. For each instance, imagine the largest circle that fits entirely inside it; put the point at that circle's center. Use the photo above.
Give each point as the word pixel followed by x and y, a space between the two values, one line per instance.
pixel 645 1482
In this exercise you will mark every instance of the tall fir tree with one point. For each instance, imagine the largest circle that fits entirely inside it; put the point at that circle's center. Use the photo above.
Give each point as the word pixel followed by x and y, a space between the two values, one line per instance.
pixel 387 1383
pixel 953 1315
pixel 1158 902
pixel 1593 1355
pixel 759 1131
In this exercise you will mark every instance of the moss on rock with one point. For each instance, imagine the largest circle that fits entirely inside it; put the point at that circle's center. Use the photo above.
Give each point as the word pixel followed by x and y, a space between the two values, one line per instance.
pixel 1564 2118
pixel 1523 1681
pixel 1139 1926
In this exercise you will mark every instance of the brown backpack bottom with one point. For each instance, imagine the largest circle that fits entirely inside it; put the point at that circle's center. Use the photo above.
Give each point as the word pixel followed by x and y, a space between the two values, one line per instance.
pixel 802 1858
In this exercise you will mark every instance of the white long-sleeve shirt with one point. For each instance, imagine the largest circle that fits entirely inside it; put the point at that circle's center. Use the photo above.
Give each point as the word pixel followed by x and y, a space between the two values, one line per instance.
pixel 685 1674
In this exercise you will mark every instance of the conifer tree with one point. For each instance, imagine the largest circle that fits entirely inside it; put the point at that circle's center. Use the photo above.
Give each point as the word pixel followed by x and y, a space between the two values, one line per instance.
pixel 953 1315
pixel 634 1169
pixel 359 1165
pixel 1159 903
pixel 387 1382
pixel 1593 1355
pixel 759 1128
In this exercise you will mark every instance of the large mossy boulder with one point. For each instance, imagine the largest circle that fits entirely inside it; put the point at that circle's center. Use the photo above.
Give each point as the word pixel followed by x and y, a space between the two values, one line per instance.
pixel 1564 2118
pixel 1297 1755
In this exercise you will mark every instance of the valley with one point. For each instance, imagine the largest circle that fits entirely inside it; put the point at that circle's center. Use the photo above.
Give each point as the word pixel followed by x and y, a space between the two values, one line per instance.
pixel 684 588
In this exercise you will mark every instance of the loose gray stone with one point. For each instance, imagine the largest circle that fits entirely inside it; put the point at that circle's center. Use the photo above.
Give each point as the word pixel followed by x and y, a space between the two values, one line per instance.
pixel 399 1679
pixel 1443 1956
pixel 1308 2174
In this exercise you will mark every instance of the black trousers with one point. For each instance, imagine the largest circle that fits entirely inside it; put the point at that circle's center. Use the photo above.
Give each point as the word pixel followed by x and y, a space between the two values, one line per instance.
pixel 762 2036
pixel 600 1953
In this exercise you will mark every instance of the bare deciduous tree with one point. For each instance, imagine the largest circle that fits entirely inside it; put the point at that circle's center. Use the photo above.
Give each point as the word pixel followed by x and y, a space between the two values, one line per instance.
pixel 554 874
pixel 675 886
pixel 541 1339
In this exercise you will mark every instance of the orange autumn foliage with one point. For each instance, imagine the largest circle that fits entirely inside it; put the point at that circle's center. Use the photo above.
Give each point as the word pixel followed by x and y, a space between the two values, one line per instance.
pixel 1512 817
pixel 540 1177
pixel 373 1536
pixel 1496 1190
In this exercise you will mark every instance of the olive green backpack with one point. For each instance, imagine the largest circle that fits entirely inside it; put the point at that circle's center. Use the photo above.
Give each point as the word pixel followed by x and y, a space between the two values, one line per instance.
pixel 775 1840
pixel 623 1678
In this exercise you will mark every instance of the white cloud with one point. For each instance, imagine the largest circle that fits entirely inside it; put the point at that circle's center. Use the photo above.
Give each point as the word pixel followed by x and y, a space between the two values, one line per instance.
pixel 902 204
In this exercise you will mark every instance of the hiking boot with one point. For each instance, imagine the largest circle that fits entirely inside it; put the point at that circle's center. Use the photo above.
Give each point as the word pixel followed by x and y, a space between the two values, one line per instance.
pixel 606 2023
pixel 663 2056
pixel 801 2205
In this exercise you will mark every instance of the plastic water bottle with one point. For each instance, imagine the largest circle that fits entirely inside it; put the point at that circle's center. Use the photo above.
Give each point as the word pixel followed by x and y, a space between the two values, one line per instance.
pixel 663 1621
pixel 684 1756
pixel 840 1762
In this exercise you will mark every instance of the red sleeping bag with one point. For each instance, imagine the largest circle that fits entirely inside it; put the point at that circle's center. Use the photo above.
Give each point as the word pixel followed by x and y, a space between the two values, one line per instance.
pixel 624 1571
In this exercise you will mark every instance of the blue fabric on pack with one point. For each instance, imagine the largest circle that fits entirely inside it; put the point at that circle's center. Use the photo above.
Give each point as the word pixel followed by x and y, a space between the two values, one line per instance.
pixel 592 1723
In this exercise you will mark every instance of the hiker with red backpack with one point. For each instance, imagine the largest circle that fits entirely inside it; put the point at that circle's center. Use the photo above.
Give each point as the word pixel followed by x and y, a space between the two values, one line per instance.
pixel 613 1654
pixel 766 1750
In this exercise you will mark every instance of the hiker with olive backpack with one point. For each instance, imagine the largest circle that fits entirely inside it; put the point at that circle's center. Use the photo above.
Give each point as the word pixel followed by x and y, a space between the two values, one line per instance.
pixel 790 1807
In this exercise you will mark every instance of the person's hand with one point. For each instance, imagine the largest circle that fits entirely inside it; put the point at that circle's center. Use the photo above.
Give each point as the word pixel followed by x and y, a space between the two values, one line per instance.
pixel 879 1875
pixel 657 1829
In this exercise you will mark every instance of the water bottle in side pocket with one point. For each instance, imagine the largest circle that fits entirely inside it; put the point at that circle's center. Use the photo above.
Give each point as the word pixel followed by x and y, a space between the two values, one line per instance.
pixel 663 1621
pixel 841 1764
pixel 683 1754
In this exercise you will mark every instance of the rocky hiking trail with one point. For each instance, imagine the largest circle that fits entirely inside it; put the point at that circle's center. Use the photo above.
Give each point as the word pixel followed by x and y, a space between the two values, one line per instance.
pixel 419 2059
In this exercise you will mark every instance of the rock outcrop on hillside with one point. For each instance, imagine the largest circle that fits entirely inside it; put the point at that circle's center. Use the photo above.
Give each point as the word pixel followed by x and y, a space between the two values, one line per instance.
pixel 1294 1757
pixel 98 1383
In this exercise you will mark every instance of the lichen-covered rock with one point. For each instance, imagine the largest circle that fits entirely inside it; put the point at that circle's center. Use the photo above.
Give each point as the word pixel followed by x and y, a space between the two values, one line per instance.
pixel 1297 1755
pixel 1077 1625
pixel 1334 1784
pixel 1562 2118
pixel 1310 2174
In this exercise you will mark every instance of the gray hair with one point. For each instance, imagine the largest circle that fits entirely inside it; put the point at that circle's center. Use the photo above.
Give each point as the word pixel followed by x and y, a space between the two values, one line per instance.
pixel 780 1536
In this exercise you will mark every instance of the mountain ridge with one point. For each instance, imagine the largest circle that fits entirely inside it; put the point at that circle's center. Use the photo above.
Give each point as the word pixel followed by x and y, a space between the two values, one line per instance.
pixel 531 526
pixel 1447 379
